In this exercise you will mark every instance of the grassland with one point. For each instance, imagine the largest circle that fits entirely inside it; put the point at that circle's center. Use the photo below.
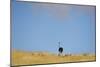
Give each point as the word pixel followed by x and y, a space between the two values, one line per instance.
pixel 31 58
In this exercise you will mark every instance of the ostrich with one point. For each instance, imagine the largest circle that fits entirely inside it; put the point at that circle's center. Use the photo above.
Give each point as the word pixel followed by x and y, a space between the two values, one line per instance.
pixel 60 49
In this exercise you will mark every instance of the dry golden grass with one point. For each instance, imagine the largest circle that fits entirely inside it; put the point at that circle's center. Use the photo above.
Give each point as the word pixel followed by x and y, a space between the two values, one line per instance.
pixel 28 58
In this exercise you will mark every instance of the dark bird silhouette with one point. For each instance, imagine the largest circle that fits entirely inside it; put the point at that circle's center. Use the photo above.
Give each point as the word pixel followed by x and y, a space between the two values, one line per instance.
pixel 60 49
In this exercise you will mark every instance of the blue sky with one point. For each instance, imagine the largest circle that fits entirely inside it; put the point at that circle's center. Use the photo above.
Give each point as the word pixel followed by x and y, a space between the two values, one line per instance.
pixel 40 26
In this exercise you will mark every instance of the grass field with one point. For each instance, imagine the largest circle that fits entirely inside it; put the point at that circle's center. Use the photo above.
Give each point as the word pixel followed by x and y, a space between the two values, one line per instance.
pixel 29 58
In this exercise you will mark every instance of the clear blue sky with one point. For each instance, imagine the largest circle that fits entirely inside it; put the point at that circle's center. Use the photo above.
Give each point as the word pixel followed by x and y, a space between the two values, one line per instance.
pixel 40 26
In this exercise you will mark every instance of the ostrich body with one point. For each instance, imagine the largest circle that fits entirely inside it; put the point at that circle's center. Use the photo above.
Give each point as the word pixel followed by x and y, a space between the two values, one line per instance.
pixel 60 50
